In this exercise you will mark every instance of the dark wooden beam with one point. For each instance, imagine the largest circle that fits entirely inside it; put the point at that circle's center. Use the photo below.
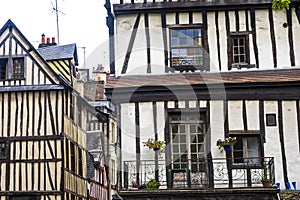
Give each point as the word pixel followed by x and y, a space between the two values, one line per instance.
pixel 282 145
pixel 262 91
pixel 192 6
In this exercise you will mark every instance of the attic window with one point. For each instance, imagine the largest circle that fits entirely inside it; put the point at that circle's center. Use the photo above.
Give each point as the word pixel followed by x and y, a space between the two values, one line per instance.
pixel 14 72
pixel 186 48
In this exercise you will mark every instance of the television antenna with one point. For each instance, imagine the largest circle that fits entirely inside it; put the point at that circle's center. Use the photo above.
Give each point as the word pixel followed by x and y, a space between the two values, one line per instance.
pixel 55 9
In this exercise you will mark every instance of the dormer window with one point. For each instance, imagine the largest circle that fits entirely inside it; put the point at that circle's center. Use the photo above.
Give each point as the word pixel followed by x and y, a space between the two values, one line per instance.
pixel 16 71
pixel 186 49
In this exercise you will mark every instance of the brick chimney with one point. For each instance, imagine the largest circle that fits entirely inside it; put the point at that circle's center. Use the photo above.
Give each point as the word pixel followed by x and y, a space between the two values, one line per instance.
pixel 47 42
pixel 42 44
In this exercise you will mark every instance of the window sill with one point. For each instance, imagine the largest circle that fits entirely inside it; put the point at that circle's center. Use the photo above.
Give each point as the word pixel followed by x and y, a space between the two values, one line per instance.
pixel 187 68
pixel 242 65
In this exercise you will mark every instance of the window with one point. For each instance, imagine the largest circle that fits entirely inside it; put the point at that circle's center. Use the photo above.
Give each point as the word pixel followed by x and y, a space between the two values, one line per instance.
pixel 2 150
pixel 72 156
pixel 247 150
pixel 186 48
pixel 271 119
pixel 80 162
pixel 240 51
pixel 188 140
pixel 17 70
pixel 113 172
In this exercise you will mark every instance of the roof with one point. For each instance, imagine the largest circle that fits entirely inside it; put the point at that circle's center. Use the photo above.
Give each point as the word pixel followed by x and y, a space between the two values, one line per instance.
pixel 59 52
pixel 206 78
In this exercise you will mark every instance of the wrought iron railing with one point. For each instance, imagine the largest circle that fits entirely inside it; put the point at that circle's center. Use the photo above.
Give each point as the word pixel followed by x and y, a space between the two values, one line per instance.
pixel 209 173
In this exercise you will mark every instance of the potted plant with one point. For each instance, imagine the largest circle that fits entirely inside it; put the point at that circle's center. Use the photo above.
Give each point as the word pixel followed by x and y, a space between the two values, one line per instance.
pixel 266 181
pixel 152 184
pixel 156 145
pixel 226 143
pixel 281 4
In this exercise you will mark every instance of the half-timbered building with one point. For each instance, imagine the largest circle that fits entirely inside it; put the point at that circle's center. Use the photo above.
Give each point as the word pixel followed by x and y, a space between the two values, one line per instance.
pixel 43 153
pixel 192 72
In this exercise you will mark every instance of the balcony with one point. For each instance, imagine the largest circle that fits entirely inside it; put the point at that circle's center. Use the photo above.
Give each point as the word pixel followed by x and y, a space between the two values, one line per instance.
pixel 225 179
pixel 200 174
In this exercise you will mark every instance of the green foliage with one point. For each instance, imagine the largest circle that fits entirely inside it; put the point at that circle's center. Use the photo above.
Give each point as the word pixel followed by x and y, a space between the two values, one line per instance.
pixel 152 184
pixel 227 141
pixel 154 144
pixel 281 5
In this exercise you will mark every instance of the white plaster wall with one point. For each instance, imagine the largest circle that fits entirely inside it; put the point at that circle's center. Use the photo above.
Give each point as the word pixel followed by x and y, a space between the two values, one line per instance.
pixel 296 37
pixel 252 109
pixel 183 18
pixel 128 131
pixel 251 49
pixel 138 59
pixel 272 145
pixel 265 55
pixel 197 17
pixel 242 20
pixel 281 37
pixel 161 120
pixel 212 41
pixel 156 44
pixel 170 19
pixel 291 139
pixel 232 21
pixel 146 129
pixel 235 115
pixel 216 127
pixel 124 26
pixel 223 41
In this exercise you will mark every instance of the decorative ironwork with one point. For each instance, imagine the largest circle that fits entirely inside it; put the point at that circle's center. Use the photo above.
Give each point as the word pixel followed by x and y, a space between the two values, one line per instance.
pixel 245 174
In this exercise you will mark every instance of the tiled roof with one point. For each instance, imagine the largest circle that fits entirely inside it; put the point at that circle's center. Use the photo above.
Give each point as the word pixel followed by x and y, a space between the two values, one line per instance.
pixel 238 77
pixel 59 52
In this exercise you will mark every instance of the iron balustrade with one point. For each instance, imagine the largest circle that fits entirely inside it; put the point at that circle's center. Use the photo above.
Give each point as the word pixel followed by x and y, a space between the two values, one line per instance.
pixel 209 173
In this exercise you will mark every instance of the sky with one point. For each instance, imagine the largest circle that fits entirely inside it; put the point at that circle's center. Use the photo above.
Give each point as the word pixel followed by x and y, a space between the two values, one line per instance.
pixel 80 21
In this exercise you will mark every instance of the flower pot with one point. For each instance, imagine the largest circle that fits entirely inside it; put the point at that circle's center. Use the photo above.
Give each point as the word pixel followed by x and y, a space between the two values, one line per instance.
pixel 226 147
pixel 267 183
pixel 156 149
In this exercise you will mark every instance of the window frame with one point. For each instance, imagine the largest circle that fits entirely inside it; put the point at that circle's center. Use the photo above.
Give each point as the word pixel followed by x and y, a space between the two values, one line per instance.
pixel 246 63
pixel 202 48
pixel 3 145
pixel 186 122
pixel 244 136
pixel 10 70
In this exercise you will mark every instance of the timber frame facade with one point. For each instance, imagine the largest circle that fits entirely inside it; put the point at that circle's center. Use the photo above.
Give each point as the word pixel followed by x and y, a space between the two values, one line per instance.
pixel 43 152
pixel 192 72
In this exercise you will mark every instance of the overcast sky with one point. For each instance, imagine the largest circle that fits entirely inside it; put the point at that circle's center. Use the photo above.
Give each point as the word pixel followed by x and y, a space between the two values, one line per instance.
pixel 80 21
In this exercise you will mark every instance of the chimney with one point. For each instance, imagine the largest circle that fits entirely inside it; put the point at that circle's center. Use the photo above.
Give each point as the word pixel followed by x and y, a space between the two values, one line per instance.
pixel 53 41
pixel 48 40
pixel 42 44
pixel 43 39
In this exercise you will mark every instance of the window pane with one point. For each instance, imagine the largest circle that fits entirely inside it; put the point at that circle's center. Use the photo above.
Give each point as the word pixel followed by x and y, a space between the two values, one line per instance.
pixel 188 40
pixel 200 138
pixel 193 128
pixel 175 41
pixel 241 41
pixel 182 128
pixel 174 129
pixel 189 32
pixel 18 68
pixel 175 148
pixel 182 139
pixel 182 33
pixel 182 41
